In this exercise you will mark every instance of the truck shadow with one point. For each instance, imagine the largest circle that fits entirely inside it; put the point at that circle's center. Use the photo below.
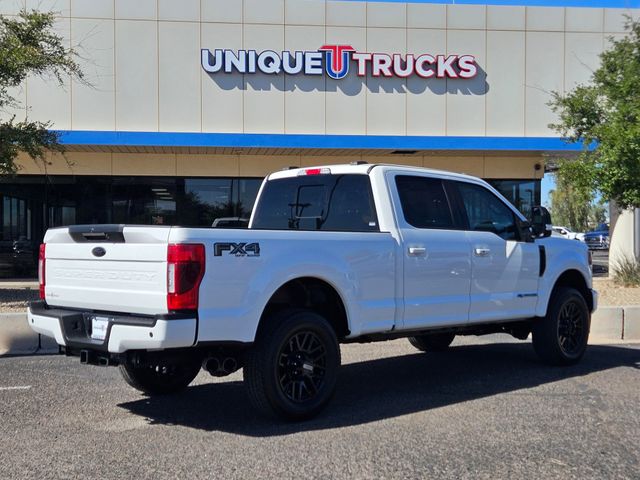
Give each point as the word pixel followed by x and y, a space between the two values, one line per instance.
pixel 383 388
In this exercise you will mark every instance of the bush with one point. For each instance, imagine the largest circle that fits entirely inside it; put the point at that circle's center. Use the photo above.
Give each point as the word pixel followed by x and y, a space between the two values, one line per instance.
pixel 626 272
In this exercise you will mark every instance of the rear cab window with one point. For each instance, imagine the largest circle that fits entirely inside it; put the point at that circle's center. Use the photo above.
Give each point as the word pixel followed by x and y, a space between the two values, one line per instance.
pixel 338 203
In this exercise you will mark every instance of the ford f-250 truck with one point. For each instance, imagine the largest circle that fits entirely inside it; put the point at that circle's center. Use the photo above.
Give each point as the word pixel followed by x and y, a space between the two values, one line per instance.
pixel 346 253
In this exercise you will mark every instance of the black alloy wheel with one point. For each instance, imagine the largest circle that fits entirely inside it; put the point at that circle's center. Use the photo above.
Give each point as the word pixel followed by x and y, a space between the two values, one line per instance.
pixel 292 369
pixel 571 328
pixel 561 336
pixel 302 363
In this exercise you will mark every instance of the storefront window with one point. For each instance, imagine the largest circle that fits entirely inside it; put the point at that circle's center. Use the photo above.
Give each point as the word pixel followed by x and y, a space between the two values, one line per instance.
pixel 144 201
pixel 60 215
pixel 523 194
pixel 14 218
pixel 205 200
pixel 16 250
pixel 208 199
pixel 247 189
pixel 30 204
pixel 6 218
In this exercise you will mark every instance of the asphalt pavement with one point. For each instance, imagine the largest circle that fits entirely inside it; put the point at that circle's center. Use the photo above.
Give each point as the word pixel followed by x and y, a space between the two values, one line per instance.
pixel 600 263
pixel 485 409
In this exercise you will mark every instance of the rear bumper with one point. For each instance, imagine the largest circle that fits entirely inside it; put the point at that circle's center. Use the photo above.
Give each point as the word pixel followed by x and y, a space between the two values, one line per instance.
pixel 72 329
pixel 594 294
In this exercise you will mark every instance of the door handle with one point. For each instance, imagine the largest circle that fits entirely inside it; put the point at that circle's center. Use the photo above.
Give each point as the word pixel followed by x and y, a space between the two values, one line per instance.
pixel 482 252
pixel 417 251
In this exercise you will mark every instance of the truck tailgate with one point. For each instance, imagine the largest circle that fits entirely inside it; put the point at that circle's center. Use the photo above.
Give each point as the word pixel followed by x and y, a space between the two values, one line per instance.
pixel 110 268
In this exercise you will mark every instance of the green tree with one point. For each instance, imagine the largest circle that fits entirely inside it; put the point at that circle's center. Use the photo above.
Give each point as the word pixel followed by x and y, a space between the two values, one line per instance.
pixel 570 206
pixel 606 112
pixel 597 213
pixel 573 204
pixel 28 45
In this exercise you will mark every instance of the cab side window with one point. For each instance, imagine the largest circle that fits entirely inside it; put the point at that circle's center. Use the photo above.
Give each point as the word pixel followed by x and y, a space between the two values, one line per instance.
pixel 486 212
pixel 424 202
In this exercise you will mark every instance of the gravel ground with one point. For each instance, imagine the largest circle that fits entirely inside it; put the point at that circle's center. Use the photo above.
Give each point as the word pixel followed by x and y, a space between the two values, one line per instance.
pixel 615 295
pixel 14 299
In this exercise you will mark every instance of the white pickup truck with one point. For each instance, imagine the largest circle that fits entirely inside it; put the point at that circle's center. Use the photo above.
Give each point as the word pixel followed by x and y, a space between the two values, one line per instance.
pixel 346 253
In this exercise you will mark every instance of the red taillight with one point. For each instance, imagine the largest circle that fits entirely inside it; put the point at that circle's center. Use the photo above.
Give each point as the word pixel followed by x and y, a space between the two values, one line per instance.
pixel 41 269
pixel 185 269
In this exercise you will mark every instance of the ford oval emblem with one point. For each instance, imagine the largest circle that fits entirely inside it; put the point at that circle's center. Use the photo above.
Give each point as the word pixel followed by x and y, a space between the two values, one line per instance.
pixel 98 252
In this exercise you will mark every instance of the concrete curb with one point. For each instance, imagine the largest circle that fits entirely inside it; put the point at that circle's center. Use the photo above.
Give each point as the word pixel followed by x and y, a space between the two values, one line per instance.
pixel 631 323
pixel 17 338
pixel 606 322
pixel 616 323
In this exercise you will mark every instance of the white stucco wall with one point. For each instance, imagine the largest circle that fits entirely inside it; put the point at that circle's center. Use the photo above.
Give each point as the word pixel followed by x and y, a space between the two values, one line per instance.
pixel 142 59
pixel 622 239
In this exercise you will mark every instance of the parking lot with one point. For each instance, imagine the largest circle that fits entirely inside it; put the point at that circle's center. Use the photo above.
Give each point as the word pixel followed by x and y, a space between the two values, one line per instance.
pixel 600 263
pixel 485 409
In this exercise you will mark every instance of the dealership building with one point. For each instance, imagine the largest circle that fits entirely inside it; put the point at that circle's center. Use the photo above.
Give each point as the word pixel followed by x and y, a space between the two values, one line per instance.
pixel 188 104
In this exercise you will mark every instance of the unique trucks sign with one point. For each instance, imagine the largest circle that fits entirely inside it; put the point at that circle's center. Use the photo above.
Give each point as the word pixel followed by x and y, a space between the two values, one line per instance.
pixel 335 61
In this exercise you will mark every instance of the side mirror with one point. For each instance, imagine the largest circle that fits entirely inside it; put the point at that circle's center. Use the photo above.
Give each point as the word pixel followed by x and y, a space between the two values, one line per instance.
pixel 541 226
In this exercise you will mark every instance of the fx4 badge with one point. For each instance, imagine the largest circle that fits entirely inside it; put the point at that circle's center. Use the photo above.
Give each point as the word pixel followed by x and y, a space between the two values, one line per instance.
pixel 237 249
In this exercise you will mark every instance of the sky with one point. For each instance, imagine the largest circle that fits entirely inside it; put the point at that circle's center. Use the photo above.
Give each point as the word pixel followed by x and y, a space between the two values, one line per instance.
pixel 548 184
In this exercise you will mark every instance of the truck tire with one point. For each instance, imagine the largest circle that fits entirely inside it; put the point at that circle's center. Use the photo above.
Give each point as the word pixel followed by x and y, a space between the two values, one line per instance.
pixel 437 342
pixel 560 338
pixel 292 369
pixel 160 378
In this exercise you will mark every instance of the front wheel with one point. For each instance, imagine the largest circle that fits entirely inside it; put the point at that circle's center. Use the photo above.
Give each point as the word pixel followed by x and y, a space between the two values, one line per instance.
pixel 292 369
pixel 560 338
pixel 161 377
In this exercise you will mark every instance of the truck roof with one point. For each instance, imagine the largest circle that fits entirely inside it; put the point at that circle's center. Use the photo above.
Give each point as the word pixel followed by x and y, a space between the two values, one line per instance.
pixel 365 168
